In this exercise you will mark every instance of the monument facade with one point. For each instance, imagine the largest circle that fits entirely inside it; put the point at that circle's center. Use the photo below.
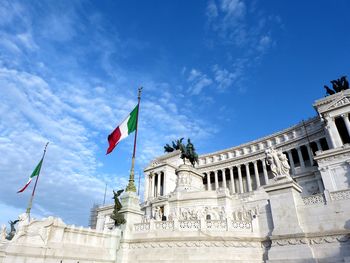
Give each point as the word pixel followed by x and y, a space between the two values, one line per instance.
pixel 281 198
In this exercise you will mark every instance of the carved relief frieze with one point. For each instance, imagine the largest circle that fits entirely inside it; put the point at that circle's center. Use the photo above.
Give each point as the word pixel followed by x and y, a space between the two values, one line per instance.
pixel 343 101
pixel 176 244
pixel 344 238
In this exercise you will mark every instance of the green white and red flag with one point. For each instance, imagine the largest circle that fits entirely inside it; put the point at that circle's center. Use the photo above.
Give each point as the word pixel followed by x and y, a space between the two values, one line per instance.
pixel 123 130
pixel 35 173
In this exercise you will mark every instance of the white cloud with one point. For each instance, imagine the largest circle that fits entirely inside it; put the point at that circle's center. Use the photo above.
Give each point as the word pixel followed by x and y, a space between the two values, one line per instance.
pixel 197 82
pixel 63 103
pixel 223 77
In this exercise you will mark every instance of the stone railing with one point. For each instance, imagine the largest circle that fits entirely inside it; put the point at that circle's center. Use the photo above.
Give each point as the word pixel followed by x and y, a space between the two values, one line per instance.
pixel 194 225
pixel 218 225
pixel 314 199
pixel 164 225
pixel 142 227
pixel 241 225
pixel 340 195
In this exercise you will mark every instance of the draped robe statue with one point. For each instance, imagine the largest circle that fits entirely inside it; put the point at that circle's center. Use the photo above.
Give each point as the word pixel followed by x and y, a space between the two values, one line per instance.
pixel 278 162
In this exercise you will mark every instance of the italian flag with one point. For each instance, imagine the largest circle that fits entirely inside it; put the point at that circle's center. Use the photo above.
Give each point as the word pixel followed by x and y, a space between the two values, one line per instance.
pixel 123 130
pixel 35 173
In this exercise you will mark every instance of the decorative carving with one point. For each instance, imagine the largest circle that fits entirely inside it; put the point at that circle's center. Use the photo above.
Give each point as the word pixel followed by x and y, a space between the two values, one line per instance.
pixel 174 244
pixel 278 162
pixel 241 224
pixel 314 199
pixel 217 225
pixel 189 224
pixel 243 214
pixel 142 227
pixel 164 225
pixel 340 195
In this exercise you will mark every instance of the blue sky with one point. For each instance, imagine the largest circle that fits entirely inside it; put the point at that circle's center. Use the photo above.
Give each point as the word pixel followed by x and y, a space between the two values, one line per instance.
pixel 221 72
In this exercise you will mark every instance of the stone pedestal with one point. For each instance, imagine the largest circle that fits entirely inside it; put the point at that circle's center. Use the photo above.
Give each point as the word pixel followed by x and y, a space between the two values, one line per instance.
pixel 284 195
pixel 188 179
pixel 287 239
pixel 131 209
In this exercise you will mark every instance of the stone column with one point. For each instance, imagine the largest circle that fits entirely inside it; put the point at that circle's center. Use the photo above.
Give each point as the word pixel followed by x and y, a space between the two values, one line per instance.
pixel 301 160
pixel 291 161
pixel 249 181
pixel 332 134
pixel 256 171
pixel 164 184
pixel 208 181
pixel 223 171
pixel 266 177
pixel 216 180
pixel 233 190
pixel 318 144
pixel 240 179
pixel 151 186
pixel 146 192
pixel 347 122
pixel 311 156
pixel 158 184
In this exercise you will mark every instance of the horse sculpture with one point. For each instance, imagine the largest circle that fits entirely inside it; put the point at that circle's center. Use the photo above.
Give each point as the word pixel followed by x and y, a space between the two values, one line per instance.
pixel 338 85
pixel 187 152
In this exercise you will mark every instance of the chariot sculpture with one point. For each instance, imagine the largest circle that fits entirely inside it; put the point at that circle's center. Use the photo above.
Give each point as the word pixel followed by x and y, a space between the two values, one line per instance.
pixel 187 152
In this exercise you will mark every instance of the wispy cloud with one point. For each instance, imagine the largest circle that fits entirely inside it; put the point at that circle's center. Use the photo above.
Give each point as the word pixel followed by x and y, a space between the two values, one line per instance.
pixel 197 81
pixel 245 31
pixel 55 95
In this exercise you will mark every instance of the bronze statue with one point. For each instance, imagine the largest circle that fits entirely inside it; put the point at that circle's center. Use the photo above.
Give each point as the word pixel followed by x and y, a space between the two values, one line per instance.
pixel 187 152
pixel 13 229
pixel 338 85
pixel 176 146
pixel 116 216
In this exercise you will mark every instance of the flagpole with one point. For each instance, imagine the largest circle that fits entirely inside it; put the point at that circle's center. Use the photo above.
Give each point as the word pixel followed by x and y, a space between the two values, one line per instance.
pixel 36 181
pixel 131 186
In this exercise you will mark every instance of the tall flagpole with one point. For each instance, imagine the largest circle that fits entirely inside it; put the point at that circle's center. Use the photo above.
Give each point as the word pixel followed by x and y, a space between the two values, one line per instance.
pixel 131 186
pixel 36 181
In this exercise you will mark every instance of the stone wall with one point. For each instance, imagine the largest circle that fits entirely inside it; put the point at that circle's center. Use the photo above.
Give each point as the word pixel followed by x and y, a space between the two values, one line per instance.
pixel 52 241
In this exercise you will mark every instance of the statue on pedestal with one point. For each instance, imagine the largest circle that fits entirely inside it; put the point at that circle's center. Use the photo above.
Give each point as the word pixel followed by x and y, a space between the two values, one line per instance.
pixel 116 216
pixel 277 161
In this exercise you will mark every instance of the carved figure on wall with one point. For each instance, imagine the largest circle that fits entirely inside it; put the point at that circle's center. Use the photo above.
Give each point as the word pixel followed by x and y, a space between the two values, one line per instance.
pixel 157 213
pixel 116 216
pixel 277 161
pixel 12 230
pixel 187 152
pixel 338 85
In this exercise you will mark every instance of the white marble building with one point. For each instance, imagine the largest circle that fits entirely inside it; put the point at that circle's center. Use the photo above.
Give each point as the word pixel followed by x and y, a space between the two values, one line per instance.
pixel 233 208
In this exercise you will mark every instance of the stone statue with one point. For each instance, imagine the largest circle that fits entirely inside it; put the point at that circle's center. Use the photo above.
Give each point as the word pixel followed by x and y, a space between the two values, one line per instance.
pixel 116 216
pixel 338 85
pixel 176 146
pixel 278 162
pixel 13 230
pixel 187 152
